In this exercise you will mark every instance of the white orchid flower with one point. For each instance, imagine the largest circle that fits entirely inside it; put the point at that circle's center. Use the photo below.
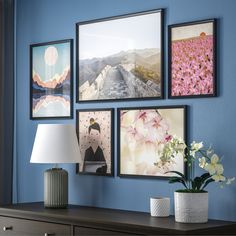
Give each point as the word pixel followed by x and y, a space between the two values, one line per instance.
pixel 202 162
pixel 196 146
pixel 213 167
pixel 209 151
pixel 218 177
pixel 230 180
pixel 214 159
pixel 219 169
pixel 192 153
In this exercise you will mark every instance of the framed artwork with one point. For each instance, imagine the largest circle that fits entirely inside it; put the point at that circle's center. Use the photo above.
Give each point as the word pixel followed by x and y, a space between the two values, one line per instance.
pixel 51 85
pixel 192 59
pixel 95 134
pixel 120 57
pixel 142 133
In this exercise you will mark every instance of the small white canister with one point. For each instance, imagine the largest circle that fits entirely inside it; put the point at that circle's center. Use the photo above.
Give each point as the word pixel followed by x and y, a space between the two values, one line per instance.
pixel 160 206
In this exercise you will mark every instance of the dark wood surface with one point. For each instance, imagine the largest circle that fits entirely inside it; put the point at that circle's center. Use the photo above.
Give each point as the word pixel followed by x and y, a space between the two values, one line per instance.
pixel 24 227
pixel 82 231
pixel 115 220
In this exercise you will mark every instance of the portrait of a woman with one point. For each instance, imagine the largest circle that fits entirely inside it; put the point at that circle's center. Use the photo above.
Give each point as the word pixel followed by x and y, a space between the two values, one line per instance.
pixel 95 131
pixel 94 156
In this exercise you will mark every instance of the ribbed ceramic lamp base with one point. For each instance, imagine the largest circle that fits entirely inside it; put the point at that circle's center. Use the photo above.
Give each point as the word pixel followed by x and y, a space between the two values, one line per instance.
pixel 56 188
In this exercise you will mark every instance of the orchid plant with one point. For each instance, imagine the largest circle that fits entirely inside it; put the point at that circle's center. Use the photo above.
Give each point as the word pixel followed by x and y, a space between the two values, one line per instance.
pixel 195 152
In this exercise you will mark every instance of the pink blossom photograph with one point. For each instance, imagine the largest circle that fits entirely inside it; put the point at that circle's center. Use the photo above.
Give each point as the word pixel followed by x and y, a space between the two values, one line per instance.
pixel 142 135
pixel 192 59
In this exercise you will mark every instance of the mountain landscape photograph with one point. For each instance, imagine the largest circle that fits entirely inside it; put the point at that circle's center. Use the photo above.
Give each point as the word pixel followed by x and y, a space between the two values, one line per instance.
pixel 123 62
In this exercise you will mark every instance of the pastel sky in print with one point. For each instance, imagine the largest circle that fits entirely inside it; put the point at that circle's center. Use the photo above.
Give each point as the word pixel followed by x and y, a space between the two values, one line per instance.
pixel 190 31
pixel 57 65
pixel 105 38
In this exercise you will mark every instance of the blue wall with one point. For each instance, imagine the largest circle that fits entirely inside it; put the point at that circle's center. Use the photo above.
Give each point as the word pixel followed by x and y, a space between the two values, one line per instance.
pixel 210 119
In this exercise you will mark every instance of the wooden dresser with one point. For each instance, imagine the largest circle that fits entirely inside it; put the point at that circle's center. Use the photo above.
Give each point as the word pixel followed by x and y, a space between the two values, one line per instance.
pixel 33 219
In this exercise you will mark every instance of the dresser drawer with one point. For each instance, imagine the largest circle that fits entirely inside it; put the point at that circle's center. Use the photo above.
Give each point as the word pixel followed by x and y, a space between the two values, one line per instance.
pixel 84 231
pixel 19 227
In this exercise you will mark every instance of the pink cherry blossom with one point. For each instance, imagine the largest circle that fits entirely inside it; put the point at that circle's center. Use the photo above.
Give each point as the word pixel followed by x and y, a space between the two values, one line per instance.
pixel 142 115
pixel 145 115
pixel 134 134
pixel 168 137
pixel 153 130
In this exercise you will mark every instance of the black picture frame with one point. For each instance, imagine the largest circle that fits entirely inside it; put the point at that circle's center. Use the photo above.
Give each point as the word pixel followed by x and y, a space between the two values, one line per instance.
pixel 199 74
pixel 158 72
pixel 184 109
pixel 108 135
pixel 64 81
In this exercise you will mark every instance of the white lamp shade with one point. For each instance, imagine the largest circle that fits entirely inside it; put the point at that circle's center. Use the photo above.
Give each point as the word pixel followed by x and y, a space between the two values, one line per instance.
pixel 55 143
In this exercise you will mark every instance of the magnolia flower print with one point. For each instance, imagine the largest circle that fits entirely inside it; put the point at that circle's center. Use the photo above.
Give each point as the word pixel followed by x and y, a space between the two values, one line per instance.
pixel 192 66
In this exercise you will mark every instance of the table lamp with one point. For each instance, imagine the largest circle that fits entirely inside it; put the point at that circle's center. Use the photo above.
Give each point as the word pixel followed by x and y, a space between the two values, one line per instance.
pixel 54 144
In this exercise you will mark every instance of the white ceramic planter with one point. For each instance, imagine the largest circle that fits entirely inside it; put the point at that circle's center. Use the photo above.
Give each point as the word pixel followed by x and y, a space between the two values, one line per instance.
pixel 191 207
pixel 160 207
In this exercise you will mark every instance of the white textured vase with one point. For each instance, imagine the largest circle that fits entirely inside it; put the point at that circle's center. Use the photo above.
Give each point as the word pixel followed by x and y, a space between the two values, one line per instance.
pixel 160 207
pixel 191 207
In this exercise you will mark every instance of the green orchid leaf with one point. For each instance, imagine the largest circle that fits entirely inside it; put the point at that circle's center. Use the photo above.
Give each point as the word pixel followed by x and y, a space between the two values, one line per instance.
pixel 193 185
pixel 205 176
pixel 178 180
pixel 178 173
pixel 197 183
pixel 207 182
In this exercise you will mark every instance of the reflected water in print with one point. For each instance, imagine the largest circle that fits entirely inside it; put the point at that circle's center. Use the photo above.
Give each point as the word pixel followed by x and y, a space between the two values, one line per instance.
pixel 51 106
